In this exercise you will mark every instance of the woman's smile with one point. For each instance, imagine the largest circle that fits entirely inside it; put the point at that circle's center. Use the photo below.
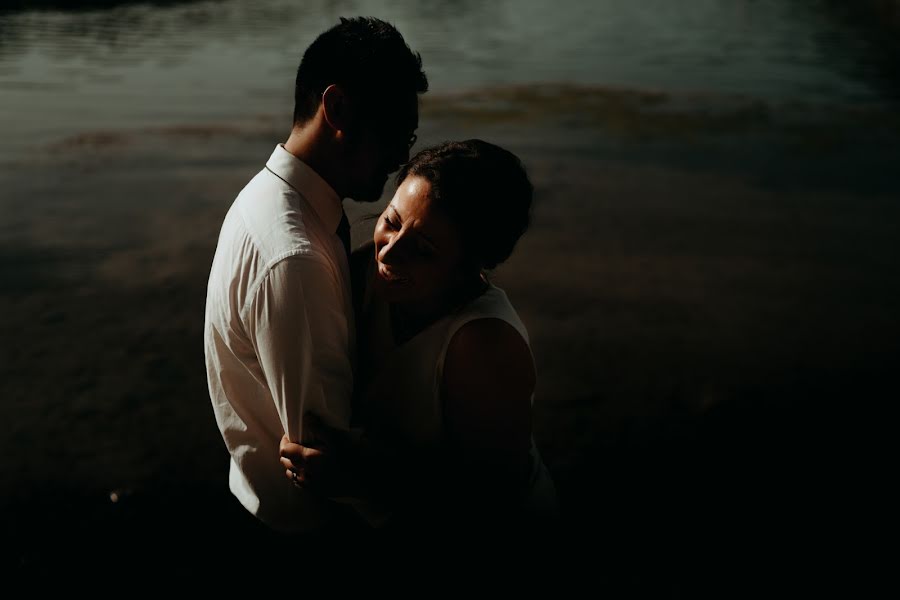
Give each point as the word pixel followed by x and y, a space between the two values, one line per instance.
pixel 389 275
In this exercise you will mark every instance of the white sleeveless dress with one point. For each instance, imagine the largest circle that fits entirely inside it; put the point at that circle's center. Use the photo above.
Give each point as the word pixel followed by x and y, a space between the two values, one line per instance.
pixel 406 401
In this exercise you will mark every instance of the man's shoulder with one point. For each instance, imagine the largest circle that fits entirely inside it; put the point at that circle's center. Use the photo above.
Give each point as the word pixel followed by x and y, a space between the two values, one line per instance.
pixel 263 192
pixel 264 180
pixel 278 220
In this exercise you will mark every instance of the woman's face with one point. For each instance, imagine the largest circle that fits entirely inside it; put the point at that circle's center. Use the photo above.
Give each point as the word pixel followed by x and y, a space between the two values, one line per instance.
pixel 417 248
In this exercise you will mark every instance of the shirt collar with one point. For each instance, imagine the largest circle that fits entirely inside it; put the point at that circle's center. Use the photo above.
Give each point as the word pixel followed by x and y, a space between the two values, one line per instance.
pixel 309 184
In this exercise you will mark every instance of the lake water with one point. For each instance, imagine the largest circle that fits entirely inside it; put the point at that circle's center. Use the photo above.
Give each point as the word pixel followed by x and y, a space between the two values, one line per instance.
pixel 139 65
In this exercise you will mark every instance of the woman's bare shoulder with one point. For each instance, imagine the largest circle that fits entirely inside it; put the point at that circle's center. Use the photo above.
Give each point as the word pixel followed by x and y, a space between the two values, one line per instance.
pixel 489 358
pixel 490 344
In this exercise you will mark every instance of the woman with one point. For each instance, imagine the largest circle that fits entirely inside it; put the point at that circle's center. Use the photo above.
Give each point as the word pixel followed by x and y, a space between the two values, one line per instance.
pixel 446 375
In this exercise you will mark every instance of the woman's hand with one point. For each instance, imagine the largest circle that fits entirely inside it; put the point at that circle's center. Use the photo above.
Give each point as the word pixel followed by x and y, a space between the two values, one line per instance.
pixel 321 468
pixel 298 460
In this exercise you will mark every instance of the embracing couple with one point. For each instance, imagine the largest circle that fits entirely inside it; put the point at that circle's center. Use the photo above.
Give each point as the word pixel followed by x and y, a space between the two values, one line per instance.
pixel 391 387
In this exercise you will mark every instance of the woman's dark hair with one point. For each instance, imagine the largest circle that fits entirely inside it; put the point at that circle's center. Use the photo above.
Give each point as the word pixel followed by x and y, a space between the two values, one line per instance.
pixel 485 191
pixel 365 55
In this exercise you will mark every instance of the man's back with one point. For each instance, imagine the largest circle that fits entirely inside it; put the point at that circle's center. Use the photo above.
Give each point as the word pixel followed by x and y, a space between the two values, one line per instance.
pixel 279 332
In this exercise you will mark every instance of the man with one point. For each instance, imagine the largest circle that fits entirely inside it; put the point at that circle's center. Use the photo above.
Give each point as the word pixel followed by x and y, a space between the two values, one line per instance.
pixel 279 331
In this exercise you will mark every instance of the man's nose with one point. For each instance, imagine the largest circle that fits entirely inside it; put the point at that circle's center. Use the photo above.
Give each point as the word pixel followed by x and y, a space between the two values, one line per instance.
pixel 402 156
pixel 403 150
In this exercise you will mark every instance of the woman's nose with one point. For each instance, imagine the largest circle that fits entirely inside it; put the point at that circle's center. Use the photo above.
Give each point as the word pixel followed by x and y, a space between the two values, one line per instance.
pixel 391 252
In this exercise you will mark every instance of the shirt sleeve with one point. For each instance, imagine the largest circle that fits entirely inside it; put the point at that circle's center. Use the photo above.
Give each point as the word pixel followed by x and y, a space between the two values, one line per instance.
pixel 297 322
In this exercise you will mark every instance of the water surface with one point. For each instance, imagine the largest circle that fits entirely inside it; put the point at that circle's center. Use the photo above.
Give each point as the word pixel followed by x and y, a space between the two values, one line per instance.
pixel 140 65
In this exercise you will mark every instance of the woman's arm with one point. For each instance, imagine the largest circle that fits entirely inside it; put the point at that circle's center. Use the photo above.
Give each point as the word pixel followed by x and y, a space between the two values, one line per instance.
pixel 484 467
pixel 329 467
pixel 347 464
pixel 488 383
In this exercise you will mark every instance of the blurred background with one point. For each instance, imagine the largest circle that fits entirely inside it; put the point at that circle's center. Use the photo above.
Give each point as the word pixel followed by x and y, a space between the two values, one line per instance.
pixel 710 282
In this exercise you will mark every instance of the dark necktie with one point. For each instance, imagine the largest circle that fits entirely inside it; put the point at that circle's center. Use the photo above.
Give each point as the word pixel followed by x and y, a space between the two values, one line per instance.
pixel 343 232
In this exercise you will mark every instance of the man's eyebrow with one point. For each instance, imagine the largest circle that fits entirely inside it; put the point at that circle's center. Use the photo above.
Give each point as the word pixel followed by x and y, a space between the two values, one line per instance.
pixel 418 233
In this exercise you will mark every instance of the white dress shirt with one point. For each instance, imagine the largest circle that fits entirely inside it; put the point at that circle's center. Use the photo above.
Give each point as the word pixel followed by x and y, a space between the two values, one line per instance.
pixel 279 332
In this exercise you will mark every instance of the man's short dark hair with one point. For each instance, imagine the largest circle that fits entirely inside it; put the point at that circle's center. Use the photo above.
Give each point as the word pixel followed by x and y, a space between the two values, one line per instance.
pixel 366 56
pixel 483 189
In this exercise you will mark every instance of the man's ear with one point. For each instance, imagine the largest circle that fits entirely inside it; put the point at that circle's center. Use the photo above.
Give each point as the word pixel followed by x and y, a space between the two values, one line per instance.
pixel 337 108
